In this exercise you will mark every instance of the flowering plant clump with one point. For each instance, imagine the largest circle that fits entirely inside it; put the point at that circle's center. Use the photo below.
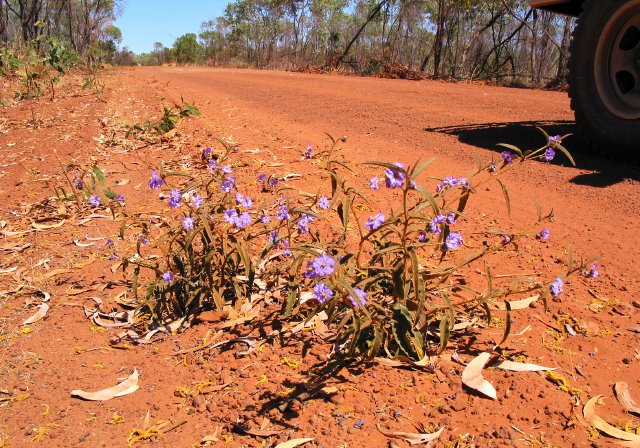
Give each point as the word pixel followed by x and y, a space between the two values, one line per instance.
pixel 387 280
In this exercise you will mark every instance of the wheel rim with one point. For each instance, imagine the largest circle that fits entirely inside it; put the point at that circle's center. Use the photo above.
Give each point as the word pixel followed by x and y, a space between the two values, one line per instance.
pixel 617 62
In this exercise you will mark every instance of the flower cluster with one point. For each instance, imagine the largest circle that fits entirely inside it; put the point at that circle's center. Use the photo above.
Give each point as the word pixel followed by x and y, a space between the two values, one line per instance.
pixel 394 178
pixel 452 182
pixel 321 266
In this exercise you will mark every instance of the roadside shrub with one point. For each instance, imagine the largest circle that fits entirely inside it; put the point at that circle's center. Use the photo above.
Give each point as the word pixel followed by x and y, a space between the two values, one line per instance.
pixel 393 281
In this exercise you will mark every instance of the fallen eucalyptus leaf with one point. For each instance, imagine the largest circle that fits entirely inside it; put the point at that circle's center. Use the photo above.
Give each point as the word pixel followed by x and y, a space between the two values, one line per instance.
pixel 294 442
pixel 42 311
pixel 412 438
pixel 589 412
pixel 624 397
pixel 79 244
pixel 518 304
pixel 472 375
pixel 38 226
pixel 128 386
pixel 522 367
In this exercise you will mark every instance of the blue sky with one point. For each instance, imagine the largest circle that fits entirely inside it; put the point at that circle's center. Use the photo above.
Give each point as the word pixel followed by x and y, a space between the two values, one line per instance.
pixel 144 22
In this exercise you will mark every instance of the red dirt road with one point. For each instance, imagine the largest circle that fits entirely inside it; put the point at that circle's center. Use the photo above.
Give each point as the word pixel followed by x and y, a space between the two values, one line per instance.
pixel 596 207
pixel 597 204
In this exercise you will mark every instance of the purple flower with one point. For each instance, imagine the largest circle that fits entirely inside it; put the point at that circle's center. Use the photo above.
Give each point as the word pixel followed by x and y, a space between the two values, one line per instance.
pixel 273 182
pixel 361 295
pixel 324 203
pixel 322 292
pixel 144 240
pixel 264 219
pixel 303 223
pixel 244 220
pixel 507 157
pixel 168 277
pixel 452 182
pixel 374 183
pixel 226 169
pixel 374 222
pixel 549 154
pixel 453 241
pixel 228 184
pixel 174 198
pixel 594 270
pixel 196 201
pixel 244 201
pixel 262 178
pixel 187 223
pixel 286 252
pixel 319 267
pixel 212 165
pixel 422 237
pixel 307 155
pixel 119 198
pixel 273 236
pixel 77 183
pixel 230 216
pixel 436 223
pixel 556 287
pixel 206 152
pixel 544 234
pixel 95 200
pixel 394 178
pixel 156 181
pixel 555 139
pixel 109 243
pixel 506 238
pixel 283 213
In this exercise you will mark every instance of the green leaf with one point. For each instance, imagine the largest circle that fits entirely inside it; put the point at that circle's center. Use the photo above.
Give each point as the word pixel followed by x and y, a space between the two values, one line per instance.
pixel 408 340
pixel 505 192
pixel 565 152
pixel 507 327
pixel 420 168
pixel 110 193
pixel 99 174
pixel 511 147
pixel 462 204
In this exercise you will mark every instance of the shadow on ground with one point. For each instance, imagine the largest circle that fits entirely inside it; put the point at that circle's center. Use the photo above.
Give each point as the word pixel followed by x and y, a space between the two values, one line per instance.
pixel 524 135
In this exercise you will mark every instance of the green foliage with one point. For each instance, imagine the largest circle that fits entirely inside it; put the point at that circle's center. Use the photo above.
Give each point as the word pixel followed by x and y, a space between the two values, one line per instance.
pixel 396 284
pixel 42 61
pixel 170 116
pixel 188 50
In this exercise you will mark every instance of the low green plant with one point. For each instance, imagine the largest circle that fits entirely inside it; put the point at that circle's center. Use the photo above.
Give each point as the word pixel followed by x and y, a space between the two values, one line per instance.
pixel 393 282
pixel 40 62
pixel 170 116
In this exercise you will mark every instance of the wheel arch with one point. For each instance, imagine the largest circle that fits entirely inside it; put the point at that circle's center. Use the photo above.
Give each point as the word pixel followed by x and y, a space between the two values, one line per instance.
pixel 567 7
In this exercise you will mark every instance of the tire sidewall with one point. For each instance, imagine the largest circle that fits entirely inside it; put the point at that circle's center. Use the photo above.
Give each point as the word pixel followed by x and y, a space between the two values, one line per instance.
pixel 608 132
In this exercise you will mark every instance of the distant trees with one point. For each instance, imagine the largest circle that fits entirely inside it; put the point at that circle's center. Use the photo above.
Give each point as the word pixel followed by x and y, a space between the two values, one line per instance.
pixel 187 50
pixel 85 26
pixel 499 40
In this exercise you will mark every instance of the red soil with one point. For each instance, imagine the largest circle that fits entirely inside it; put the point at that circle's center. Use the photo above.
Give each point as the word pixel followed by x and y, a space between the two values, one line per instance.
pixel 596 207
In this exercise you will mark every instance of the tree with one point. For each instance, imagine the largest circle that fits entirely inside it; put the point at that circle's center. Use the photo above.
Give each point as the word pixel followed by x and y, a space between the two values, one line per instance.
pixel 187 49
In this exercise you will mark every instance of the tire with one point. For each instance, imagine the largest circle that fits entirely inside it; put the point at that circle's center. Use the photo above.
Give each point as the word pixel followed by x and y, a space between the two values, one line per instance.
pixel 604 77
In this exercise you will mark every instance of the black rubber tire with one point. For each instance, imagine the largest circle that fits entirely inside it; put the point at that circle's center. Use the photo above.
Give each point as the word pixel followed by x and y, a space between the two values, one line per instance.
pixel 612 129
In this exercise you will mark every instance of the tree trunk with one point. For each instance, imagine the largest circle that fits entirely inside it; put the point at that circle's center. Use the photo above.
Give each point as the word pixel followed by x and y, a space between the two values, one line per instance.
pixel 372 16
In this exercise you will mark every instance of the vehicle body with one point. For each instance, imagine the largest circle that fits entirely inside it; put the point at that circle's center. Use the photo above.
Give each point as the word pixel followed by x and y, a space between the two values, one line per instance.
pixel 604 72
